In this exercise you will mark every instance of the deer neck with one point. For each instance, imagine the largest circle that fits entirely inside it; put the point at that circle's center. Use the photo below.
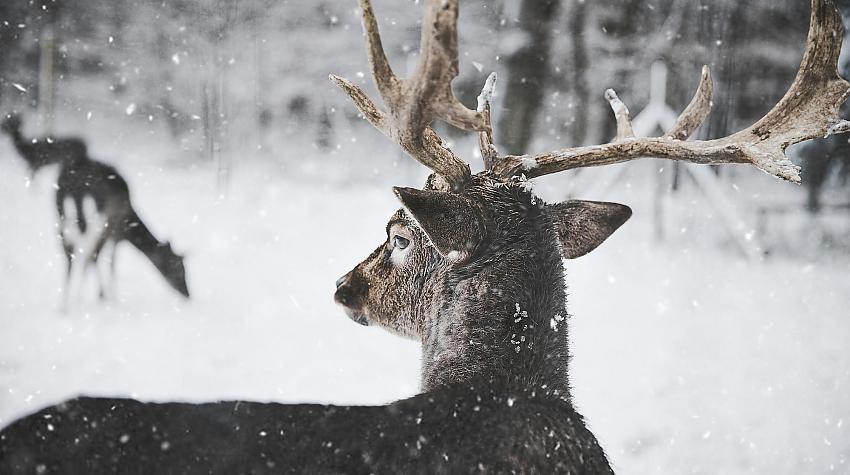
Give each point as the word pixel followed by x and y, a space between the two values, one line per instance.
pixel 140 236
pixel 21 144
pixel 502 322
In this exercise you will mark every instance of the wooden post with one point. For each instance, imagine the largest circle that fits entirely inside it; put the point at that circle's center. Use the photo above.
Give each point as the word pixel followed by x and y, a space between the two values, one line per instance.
pixel 46 79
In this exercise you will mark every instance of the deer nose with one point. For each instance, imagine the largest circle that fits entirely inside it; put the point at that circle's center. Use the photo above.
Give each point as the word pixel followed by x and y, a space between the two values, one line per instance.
pixel 343 294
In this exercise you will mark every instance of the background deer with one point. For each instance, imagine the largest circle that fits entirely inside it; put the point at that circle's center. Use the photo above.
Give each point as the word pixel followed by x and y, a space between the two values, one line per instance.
pixel 472 268
pixel 95 214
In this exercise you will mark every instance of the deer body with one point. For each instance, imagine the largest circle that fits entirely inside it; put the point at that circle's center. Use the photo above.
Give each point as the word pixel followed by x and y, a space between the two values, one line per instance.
pixel 95 214
pixel 462 429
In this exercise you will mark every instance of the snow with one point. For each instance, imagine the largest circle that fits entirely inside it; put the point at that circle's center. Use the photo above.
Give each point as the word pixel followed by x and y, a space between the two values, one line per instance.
pixel 617 105
pixel 761 362
pixel 754 378
pixel 840 127
pixel 486 96
pixel 529 163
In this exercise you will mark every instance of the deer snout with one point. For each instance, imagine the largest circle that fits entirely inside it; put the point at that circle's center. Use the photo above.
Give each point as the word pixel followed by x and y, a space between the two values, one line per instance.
pixel 347 295
pixel 343 294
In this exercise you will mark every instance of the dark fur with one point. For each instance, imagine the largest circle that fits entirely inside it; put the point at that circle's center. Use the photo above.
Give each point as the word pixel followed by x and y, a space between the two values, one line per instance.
pixel 485 405
pixel 456 430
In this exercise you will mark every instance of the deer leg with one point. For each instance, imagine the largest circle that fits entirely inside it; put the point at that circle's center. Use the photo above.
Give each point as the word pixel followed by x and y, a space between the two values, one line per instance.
pixel 103 262
pixel 70 234
pixel 96 262
pixel 84 245
pixel 92 243
pixel 74 282
pixel 112 249
pixel 69 252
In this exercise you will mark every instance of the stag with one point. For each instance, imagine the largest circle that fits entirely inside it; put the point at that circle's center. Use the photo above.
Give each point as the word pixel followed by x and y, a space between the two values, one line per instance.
pixel 471 268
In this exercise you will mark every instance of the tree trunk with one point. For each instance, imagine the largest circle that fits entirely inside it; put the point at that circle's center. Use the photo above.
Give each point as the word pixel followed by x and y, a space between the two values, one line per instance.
pixel 527 74
pixel 47 72
pixel 578 81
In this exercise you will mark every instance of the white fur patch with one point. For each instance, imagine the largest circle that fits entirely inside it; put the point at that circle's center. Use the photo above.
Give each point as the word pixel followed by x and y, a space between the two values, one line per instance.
pixel 457 256
pixel 82 244
pixel 529 163
pixel 399 256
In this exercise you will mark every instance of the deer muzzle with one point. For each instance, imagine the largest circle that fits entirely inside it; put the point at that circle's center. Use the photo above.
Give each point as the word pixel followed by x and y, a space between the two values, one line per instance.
pixel 347 295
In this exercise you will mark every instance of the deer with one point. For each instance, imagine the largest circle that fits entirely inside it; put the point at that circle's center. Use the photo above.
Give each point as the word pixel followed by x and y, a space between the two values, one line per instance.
pixel 95 215
pixel 472 267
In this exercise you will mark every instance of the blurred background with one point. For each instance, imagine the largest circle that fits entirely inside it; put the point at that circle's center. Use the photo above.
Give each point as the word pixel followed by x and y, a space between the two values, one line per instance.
pixel 710 334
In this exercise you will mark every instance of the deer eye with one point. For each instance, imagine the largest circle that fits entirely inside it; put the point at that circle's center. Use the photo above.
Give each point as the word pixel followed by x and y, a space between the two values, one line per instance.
pixel 400 242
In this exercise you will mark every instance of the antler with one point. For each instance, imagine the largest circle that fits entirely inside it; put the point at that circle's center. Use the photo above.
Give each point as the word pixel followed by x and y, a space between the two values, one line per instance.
pixel 808 110
pixel 414 103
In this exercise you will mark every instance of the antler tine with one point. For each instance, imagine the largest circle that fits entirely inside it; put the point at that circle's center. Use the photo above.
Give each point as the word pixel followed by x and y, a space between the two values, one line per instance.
pixel 817 90
pixel 621 113
pixel 485 137
pixel 414 103
pixel 425 146
pixel 382 73
pixel 808 110
pixel 368 108
pixel 694 115
pixel 438 66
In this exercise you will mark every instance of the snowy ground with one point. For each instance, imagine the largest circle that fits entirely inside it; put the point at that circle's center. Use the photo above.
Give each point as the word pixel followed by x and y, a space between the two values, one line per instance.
pixel 687 359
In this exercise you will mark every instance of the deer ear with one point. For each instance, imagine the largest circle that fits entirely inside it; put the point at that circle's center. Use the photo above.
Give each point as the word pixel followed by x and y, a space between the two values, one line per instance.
pixel 583 225
pixel 449 220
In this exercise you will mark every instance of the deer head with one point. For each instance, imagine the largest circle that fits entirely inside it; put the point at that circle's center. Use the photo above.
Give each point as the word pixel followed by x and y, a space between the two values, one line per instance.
pixel 472 263
pixel 477 277
pixel 170 265
pixel 11 123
